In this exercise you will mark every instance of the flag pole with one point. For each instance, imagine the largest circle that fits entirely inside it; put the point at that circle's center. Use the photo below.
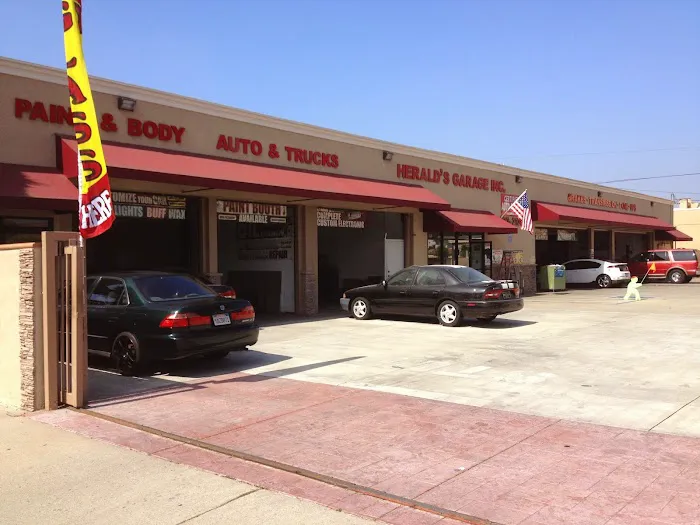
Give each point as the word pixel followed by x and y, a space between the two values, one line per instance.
pixel 648 270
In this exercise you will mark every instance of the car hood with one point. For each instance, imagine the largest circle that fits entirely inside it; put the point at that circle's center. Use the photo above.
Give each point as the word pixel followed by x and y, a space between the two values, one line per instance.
pixel 366 288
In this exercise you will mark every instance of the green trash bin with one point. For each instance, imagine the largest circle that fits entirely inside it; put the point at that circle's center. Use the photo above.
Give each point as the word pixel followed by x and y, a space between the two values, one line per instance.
pixel 553 277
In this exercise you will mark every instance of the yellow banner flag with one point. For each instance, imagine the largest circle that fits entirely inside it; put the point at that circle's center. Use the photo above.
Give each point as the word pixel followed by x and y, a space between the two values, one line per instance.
pixel 95 210
pixel 652 268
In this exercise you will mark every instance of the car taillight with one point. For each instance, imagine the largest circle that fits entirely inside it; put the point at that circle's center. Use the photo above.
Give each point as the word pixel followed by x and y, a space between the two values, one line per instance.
pixel 228 293
pixel 493 294
pixel 247 313
pixel 185 320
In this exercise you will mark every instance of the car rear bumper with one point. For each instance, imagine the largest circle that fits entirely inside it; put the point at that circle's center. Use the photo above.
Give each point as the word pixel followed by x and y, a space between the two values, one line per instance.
pixel 174 345
pixel 472 309
pixel 622 277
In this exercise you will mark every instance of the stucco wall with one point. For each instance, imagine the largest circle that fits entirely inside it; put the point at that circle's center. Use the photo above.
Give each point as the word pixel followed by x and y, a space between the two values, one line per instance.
pixel 688 221
pixel 20 328
pixel 10 377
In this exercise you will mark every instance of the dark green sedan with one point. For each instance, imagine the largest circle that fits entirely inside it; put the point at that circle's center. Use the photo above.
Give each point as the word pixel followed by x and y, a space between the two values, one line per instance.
pixel 140 317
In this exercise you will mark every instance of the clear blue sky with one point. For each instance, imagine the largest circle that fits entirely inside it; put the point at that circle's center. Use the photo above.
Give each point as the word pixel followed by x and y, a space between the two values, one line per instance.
pixel 522 82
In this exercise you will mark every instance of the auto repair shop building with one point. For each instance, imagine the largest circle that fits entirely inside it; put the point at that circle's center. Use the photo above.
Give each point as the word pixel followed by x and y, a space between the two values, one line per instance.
pixel 289 214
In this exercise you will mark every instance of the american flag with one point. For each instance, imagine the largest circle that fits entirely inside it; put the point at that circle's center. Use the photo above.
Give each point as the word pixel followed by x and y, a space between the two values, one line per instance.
pixel 521 209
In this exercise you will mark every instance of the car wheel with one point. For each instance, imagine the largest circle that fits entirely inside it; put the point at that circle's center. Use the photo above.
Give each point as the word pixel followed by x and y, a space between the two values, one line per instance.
pixel 676 277
pixel 688 279
pixel 218 355
pixel 126 354
pixel 603 281
pixel 449 314
pixel 361 309
pixel 486 320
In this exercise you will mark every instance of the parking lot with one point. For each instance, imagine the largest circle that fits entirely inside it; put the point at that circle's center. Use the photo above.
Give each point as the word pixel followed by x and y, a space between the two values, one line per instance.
pixel 580 355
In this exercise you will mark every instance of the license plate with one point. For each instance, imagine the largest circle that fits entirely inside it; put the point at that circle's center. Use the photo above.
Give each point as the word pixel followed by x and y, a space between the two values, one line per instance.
pixel 221 319
pixel 507 295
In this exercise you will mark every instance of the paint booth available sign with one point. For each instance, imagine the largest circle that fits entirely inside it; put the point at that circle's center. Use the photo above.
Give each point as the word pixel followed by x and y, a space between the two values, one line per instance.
pixel 326 218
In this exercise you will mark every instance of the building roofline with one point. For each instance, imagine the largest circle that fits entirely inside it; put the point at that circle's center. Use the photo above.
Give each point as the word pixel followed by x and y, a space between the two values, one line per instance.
pixel 111 87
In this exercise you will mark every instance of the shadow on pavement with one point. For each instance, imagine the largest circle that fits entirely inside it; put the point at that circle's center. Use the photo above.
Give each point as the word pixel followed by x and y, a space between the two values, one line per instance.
pixel 498 323
pixel 106 387
pixel 265 321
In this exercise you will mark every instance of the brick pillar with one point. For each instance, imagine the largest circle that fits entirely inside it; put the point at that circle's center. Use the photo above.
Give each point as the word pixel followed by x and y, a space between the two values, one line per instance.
pixel 591 243
pixel 307 261
pixel 612 245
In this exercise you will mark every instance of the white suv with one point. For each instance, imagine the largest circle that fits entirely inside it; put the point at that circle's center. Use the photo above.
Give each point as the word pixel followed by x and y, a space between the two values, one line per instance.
pixel 603 274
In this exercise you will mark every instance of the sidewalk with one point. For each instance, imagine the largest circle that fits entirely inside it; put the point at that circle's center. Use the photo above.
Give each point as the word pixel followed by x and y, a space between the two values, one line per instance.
pixel 48 475
pixel 483 464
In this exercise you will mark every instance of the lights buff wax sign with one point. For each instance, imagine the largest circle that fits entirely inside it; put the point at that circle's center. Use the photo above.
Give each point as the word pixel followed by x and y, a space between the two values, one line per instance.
pixel 95 210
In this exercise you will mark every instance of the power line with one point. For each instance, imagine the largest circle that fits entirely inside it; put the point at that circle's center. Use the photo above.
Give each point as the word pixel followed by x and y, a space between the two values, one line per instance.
pixel 617 152
pixel 650 178
pixel 661 191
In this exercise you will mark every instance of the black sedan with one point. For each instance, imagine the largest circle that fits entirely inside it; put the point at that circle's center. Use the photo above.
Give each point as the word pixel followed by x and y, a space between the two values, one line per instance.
pixel 449 293
pixel 139 317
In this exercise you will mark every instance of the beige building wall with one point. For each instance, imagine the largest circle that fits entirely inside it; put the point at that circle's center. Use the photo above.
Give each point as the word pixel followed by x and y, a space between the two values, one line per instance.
pixel 21 357
pixel 10 377
pixel 688 221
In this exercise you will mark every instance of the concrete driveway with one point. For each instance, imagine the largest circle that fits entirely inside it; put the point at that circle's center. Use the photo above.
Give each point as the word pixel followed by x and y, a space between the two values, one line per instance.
pixel 581 355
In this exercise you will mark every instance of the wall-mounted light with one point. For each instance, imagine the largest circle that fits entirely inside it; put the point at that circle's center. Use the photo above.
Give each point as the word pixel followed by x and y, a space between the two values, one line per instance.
pixel 387 155
pixel 518 179
pixel 126 104
pixel 600 194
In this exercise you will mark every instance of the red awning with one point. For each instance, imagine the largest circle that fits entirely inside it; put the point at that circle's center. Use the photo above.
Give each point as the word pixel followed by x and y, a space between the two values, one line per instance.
pixel 559 212
pixel 190 170
pixel 29 188
pixel 672 235
pixel 466 221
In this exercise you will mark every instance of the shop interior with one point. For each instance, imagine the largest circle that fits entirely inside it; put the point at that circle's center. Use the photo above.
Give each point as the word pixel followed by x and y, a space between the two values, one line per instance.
pixel 256 253
pixel 14 230
pixel 151 232
pixel 356 248
pixel 464 249
pixel 557 246
pixel 628 244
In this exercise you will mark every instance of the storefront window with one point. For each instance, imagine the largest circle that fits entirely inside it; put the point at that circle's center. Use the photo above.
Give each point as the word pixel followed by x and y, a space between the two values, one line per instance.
pixel 434 248
pixel 19 229
pixel 465 249
pixel 256 253
pixel 462 250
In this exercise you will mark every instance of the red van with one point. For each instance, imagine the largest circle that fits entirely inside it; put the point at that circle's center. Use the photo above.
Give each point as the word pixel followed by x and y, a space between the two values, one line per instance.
pixel 676 266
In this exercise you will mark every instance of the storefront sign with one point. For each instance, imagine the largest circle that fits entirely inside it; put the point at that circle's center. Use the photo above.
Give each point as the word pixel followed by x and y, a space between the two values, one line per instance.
pixel 600 202
pixel 251 212
pixel 567 235
pixel 541 234
pixel 497 256
pixel 149 206
pixel 406 171
pixel 56 114
pixel 295 155
pixel 340 218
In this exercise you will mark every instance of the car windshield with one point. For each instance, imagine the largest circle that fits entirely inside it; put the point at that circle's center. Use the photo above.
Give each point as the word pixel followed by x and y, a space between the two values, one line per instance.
pixel 157 288
pixel 469 275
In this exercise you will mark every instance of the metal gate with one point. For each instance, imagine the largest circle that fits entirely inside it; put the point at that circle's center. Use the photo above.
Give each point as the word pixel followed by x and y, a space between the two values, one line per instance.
pixel 64 319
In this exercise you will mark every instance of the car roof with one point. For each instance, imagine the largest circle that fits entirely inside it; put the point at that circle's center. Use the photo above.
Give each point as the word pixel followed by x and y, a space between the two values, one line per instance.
pixel 133 273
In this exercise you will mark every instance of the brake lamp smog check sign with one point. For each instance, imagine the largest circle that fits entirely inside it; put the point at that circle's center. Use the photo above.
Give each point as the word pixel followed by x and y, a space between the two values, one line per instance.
pixel 221 319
